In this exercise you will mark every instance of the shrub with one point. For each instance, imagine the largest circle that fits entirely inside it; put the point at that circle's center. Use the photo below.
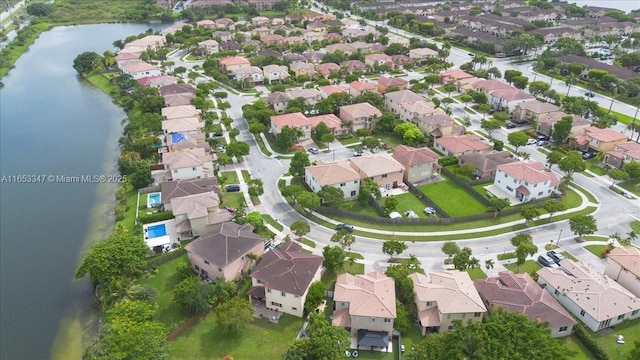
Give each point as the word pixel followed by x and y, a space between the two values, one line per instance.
pixel 160 216
pixel 585 338
pixel 448 160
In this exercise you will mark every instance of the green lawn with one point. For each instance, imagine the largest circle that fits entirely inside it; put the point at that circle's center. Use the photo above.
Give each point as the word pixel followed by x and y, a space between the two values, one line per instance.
pixel 572 344
pixel 505 256
pixel 205 341
pixel 245 176
pixel 348 140
pixel 631 332
pixel 234 200
pixel 597 249
pixel 476 273
pixel 449 196
pixel 132 203
pixel 595 238
pixel 308 242
pixel 229 177
pixel 391 140
pixel 269 220
pixel 632 186
pixel 635 226
pixel 569 256
pixel 356 268
pixel 164 279
pixel 355 206
pixel 354 255
pixel 408 202
pixel 593 166
pixel 412 337
pixel 589 195
pixel 529 266
pixel 261 145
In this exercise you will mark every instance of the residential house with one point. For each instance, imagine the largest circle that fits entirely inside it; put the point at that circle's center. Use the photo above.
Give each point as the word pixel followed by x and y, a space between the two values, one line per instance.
pixel 488 86
pixel 519 293
pixel 311 36
pixel 578 125
pixel 182 125
pixel 293 120
pixel 551 35
pixel 176 112
pixel 303 69
pixel 317 26
pixel 462 144
pixel 293 57
pixel 534 109
pixel 314 57
pixel 365 305
pixel 327 68
pixel 157 81
pixel 444 296
pixel 178 99
pixel 508 98
pixel 188 164
pixel 293 40
pixel 486 164
pixel 178 141
pixel 175 89
pixel 421 55
pixel 393 100
pixel 623 154
pixel 438 124
pixel 386 82
pixel 333 123
pixel 400 60
pixel 361 115
pixel 421 164
pixel 252 74
pixel 224 37
pixel 594 298
pixel 621 72
pixel 375 60
pixel 357 88
pixel 122 58
pixel 597 139
pixel 338 174
pixel 181 188
pixel 310 96
pixel 278 101
pixel 353 65
pixel 233 63
pixel 525 181
pixel 344 48
pixel 270 53
pixel 283 276
pixel 272 39
pixel 208 47
pixel 152 42
pixel 362 47
pixel 452 76
pixel 197 214
pixel 230 46
pixel 225 24
pixel 327 90
pixel 382 168
pixel 206 23
pixel 139 69
pixel 275 73
pixel 623 266
pixel 258 21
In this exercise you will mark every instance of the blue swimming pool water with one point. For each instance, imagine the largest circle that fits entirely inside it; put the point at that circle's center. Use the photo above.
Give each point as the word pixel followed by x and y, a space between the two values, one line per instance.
pixel 178 137
pixel 153 199
pixel 156 231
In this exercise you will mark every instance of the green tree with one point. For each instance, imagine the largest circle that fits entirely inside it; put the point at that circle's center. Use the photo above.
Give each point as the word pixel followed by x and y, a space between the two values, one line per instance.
pixel 122 254
pixel 256 128
pixel 86 62
pixel 562 129
pixel 517 139
pixel 255 219
pixel 344 238
pixel 387 123
pixel 368 190
pixel 499 203
pixel 299 161
pixel 330 194
pixel 617 175
pixel 39 9
pixel 450 248
pixel 571 164
pixel 524 247
pixel 509 75
pixel 287 137
pixel 300 228
pixel 315 296
pixel 489 125
pixel 554 206
pixel 461 258
pixel 392 247
pixel 537 88
pixel 635 352
pixel 192 296
pixel 633 169
pixel 554 157
pixel 520 82
pixel 327 341
pixel 489 263
pixel 237 149
pixel 389 204
pixel 255 187
pixel 321 129
pixel 146 292
pixel 334 257
pixel 529 212
pixel 308 200
pixel 234 315
pixel 583 225
pixel 466 98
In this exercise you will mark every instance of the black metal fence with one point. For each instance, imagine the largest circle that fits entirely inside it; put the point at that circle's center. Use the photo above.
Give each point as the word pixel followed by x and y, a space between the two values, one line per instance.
pixel 467 187
pixel 425 199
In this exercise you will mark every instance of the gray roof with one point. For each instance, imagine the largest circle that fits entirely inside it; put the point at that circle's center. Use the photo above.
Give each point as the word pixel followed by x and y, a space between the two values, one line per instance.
pixel 181 188
pixel 487 162
pixel 287 269
pixel 175 89
pixel 226 243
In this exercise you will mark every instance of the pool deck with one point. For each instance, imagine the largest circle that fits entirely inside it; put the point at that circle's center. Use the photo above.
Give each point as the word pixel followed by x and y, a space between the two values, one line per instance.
pixel 169 239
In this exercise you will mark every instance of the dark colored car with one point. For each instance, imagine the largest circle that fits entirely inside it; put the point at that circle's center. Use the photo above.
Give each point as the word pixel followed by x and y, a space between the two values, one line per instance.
pixel 545 260
pixel 542 142
pixel 346 227
pixel 217 133
pixel 588 155
pixel 589 94
pixel 233 188
pixel 557 257
pixel 511 125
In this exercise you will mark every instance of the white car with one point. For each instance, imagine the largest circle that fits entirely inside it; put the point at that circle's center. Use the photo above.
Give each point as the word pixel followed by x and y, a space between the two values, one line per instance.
pixel 532 142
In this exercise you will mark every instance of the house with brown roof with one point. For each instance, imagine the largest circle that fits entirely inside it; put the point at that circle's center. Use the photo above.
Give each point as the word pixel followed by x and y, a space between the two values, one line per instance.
pixel 293 120
pixel 462 144
pixel 283 276
pixel 486 164
pixel 524 181
pixel 578 124
pixel 382 168
pixel 374 60
pixel 223 253
pixel 593 298
pixel 187 140
pixel 361 115
pixel 344 48
pixel 197 214
pixel 157 81
pixel 178 99
pixel 272 39
pixel 181 188
pixel 623 154
pixel 176 112
pixel 302 68
pixel 225 24
pixel 233 63
pixel 357 88
pixel 188 164
pixel 393 101
pixel 452 76
pixel 365 305
pixel 174 89
pixel 208 47
pixel 420 164
pixel 598 139
pixel 507 98
pixel 139 69
pixel 338 174
pixel 275 73
pixel 311 36
pixel 534 109
pixel 310 96
pixel 444 296
pixel 386 82
pixel 181 125
pixel 327 68
pixel 253 74
pixel 278 101
pixel 519 293
pixel 333 123
pixel 623 266
pixel 421 55
pixel 438 124
pixel 327 90
pixel 353 65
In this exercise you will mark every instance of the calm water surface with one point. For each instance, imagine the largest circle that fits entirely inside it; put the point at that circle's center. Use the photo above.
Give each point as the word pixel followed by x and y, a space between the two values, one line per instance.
pixel 52 123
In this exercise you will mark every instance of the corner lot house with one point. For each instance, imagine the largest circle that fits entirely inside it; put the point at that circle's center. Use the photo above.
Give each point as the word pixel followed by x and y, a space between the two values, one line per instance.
pixel 382 168
pixel 292 120
pixel 598 139
pixel 595 299
pixel 525 181
pixel 623 153
pixel 444 296
pixel 420 164
pixel 338 174
pixel 520 293
pixel 623 266
pixel 534 109
pixel 188 164
pixel 283 276
pixel 366 305
pixel 224 252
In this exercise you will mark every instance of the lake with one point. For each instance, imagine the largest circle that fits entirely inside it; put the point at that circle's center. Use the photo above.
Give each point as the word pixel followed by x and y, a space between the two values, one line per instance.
pixel 53 123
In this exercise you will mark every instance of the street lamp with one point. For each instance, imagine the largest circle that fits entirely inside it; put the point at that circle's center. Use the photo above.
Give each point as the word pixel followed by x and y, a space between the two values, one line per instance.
pixel 558 242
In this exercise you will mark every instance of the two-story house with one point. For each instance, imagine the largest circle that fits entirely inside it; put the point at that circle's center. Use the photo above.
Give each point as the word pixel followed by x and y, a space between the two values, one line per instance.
pixel 525 181
pixel 386 82
pixel 188 164
pixel 310 96
pixel 182 125
pixel 360 116
pixel 596 139
pixel 197 214
pixel 208 47
pixel 506 99
pixel 421 55
pixel 382 168
pixel 139 69
pixel 593 298
pixel 462 144
pixel 357 88
pixel 233 63
pixel 623 154
pixel 275 73
pixel 393 100
pixel 438 124
pixel 444 296
pixel 421 164
pixel 521 294
pixel 533 109
pixel 623 266
pixel 292 120
pixel 225 252
pixel 176 112
pixel 365 305
pixel 375 60
pixel 283 276
pixel 338 174
pixel 303 69
pixel 278 101
pixel 486 164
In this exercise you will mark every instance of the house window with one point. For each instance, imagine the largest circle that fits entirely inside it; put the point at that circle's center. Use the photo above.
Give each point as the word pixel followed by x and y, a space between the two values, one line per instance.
pixel 357 318
pixel 450 327
pixel 448 316
pixel 273 303
pixel 219 269
pixel 344 304
pixel 283 294
pixel 556 292
pixel 563 329
pixel 384 176
pixel 343 184
pixel 294 308
pixel 206 262
pixel 194 169
pixel 355 181
pixel 175 171
pixel 582 312
pixel 353 193
pixel 387 320
pixel 429 303
pixel 464 315
pixel 296 296
pixel 540 193
pixel 505 175
pixel 197 267
pixel 477 314
pixel 634 312
pixel 621 317
pixel 535 185
pixel 373 319
pixel 509 188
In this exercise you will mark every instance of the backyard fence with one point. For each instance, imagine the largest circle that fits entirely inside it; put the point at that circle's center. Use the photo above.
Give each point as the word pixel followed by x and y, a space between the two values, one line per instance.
pixel 161 259
pixel 425 199
pixel 149 189
pixel 467 187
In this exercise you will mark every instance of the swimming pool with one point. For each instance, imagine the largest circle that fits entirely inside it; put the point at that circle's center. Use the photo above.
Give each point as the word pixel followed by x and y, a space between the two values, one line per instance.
pixel 156 231
pixel 153 200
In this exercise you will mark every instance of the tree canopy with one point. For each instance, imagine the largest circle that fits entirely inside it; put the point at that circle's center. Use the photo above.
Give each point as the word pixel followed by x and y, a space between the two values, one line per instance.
pixel 299 161
pixel 234 315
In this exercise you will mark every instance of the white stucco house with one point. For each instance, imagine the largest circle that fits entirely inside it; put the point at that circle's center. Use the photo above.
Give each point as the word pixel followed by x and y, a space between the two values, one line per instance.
pixel 525 181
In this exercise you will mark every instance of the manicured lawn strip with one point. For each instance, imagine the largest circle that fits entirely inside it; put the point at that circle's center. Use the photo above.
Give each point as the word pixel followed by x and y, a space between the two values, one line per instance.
pixel 408 202
pixel 631 332
pixel 633 186
pixel 480 187
pixel 572 344
pixel 569 256
pixel 589 195
pixel 101 82
pixel 261 146
pixel 132 202
pixel 234 200
pixel 594 168
pixel 377 355
pixel 529 266
pixel 354 255
pixel 505 256
pixel 635 226
pixel 412 337
pixel 205 341
pixel 597 250
pixel 449 196
pixel 308 242
pixel 245 176
pixel 229 177
pixel 269 220
pixel 164 279
pixel 476 273
pixel 350 140
pixel 355 206
pixel 625 119
pixel 595 238
pixel 354 268
pixel 390 140
pixel 543 150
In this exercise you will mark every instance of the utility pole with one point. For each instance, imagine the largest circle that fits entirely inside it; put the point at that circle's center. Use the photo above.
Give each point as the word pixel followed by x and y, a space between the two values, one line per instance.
pixel 558 242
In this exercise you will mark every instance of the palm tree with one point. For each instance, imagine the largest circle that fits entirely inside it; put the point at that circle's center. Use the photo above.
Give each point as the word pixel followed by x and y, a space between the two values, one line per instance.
pixel 473 262
pixel 145 292
pixel 614 88
pixel 471 346
pixel 572 79
pixel 488 264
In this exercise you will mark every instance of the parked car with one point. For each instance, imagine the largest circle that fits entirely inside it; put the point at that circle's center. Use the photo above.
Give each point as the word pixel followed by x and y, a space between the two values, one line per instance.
pixel 627 195
pixel 532 142
pixel 346 227
pixel 232 188
pixel 588 155
pixel 230 209
pixel 542 143
pixel 429 210
pixel 555 256
pixel 545 260
pixel 511 125
pixel 313 150
pixel 358 153
pixel 471 54
pixel 217 133
pixel 589 94
pixel 543 137
pixel 221 148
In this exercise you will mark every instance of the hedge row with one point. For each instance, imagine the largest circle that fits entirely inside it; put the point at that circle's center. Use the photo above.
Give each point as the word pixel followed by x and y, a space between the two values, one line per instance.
pixel 583 335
